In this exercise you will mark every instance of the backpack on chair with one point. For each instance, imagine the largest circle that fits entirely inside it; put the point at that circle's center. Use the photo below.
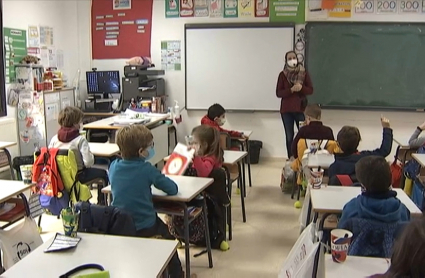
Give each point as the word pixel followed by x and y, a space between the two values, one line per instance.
pixel 49 185
pixel 319 158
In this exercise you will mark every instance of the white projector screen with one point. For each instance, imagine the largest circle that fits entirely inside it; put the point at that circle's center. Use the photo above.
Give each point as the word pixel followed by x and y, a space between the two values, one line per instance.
pixel 234 65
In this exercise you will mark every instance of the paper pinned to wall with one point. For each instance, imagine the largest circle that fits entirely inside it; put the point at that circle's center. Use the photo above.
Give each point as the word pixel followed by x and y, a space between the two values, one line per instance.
pixel 51 112
pixel 44 56
pixel 59 59
pixel 52 57
pixel 171 55
pixel 33 36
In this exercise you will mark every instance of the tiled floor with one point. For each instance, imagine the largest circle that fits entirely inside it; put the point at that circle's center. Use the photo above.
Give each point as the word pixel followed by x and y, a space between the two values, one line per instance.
pixel 260 245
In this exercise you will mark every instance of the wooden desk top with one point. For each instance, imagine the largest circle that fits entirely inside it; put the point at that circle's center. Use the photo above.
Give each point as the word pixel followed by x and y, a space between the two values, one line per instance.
pixel 104 149
pixel 108 123
pixel 10 189
pixel 4 145
pixel 126 257
pixel 332 199
pixel 355 267
pixel 189 188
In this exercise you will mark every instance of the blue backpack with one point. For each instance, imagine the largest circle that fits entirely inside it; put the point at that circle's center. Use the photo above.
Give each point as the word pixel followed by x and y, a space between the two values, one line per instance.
pixel 412 167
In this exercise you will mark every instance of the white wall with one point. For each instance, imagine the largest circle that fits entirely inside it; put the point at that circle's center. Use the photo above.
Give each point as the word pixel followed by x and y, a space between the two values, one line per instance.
pixel 267 127
pixel 62 16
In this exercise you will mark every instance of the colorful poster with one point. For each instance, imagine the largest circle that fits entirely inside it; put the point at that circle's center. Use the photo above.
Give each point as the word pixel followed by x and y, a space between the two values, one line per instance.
pixel 171 55
pixel 261 8
pixel 121 4
pixel 186 8
pixel 33 36
pixel 287 11
pixel 342 8
pixel 409 7
pixel 231 8
pixel 216 8
pixel 172 8
pixel 201 8
pixel 15 45
pixel 364 6
pixel 386 7
pixel 246 8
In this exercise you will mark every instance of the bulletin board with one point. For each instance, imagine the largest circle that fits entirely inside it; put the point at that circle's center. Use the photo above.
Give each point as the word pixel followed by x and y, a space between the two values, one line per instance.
pixel 121 28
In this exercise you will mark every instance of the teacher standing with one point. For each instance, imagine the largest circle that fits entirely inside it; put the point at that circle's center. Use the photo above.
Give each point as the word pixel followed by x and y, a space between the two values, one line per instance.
pixel 293 87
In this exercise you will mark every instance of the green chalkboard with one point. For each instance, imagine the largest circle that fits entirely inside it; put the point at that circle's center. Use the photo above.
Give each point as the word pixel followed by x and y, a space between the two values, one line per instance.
pixel 367 65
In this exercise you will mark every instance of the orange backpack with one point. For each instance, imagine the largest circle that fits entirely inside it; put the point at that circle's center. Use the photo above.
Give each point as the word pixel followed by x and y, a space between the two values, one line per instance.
pixel 46 173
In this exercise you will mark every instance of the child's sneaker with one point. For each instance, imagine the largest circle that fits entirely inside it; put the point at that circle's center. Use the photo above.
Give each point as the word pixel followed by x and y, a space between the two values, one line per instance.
pixel 224 246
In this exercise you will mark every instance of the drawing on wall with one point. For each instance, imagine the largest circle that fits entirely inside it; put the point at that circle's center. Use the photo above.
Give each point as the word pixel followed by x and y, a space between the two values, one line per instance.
pixel 122 4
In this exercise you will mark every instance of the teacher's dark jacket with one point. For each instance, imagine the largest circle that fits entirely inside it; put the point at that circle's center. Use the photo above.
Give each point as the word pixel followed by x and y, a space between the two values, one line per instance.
pixel 291 102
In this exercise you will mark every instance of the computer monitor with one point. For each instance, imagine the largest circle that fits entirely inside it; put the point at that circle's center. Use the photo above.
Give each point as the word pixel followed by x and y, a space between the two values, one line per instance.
pixel 103 82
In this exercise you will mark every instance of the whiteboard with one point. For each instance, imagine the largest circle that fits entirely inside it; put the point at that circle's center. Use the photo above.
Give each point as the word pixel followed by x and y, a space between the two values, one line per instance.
pixel 235 66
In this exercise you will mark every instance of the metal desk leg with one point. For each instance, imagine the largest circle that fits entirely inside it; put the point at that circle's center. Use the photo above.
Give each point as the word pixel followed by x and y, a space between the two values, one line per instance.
pixel 248 163
pixel 9 159
pixel 308 213
pixel 242 187
pixel 207 233
pixel 186 240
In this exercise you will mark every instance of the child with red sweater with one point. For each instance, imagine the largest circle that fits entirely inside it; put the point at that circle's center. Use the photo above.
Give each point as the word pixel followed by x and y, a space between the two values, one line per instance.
pixel 216 118
pixel 208 154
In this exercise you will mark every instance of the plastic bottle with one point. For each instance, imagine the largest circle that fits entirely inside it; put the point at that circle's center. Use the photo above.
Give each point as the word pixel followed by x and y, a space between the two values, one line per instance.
pixel 177 116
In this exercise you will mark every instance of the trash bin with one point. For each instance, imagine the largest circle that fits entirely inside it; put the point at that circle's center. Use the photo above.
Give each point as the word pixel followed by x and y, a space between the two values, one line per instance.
pixel 254 151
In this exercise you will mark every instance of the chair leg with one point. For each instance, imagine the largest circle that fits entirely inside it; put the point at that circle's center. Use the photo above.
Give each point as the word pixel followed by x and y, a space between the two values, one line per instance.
pixel 299 192
pixel 294 185
pixel 39 221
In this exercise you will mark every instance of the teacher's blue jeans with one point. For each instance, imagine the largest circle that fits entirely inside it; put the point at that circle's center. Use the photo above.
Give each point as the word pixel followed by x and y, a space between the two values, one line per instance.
pixel 289 119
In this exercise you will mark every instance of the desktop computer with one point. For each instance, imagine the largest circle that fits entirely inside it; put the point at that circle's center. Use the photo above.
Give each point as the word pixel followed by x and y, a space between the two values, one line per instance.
pixel 101 84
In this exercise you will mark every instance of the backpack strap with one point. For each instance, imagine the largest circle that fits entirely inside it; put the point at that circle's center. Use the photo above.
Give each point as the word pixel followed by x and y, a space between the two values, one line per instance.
pixel 345 180
pixel 82 267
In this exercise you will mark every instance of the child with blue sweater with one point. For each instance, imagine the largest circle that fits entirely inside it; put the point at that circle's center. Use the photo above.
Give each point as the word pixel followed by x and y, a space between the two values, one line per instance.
pixel 377 201
pixel 131 178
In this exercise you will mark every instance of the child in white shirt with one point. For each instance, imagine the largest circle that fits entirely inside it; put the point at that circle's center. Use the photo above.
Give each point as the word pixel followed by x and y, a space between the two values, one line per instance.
pixel 69 138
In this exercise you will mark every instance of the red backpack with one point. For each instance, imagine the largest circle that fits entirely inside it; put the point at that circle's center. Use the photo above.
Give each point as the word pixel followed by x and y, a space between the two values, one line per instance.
pixel 45 168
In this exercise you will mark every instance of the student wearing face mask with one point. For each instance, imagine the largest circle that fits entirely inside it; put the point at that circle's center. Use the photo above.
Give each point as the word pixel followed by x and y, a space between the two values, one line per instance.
pixel 131 179
pixel 216 118
pixel 293 87
pixel 69 138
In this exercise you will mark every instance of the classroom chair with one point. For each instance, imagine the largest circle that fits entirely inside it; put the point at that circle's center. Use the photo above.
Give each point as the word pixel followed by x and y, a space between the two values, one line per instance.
pixel 34 201
pixel 108 220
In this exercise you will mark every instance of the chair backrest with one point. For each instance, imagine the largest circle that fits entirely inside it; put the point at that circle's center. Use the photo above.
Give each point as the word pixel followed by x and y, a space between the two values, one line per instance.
pixel 68 170
pixel 104 220
pixel 218 189
pixel 371 238
pixel 344 180
pixel 19 241
pixel 225 141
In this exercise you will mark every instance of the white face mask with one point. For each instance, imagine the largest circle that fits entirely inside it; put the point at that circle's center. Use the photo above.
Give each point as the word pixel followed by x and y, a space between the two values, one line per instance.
pixel 222 121
pixel 292 63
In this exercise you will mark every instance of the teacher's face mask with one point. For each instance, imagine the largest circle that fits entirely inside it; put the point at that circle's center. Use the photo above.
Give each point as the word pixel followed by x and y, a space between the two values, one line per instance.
pixel 292 63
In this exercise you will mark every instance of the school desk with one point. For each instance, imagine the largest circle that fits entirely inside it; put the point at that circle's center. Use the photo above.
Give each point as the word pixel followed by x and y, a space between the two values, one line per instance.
pixel 332 199
pixel 157 126
pixel 104 149
pixel 3 147
pixel 121 256
pixel 355 267
pixel 245 147
pixel 189 188
pixel 232 158
pixel 9 190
